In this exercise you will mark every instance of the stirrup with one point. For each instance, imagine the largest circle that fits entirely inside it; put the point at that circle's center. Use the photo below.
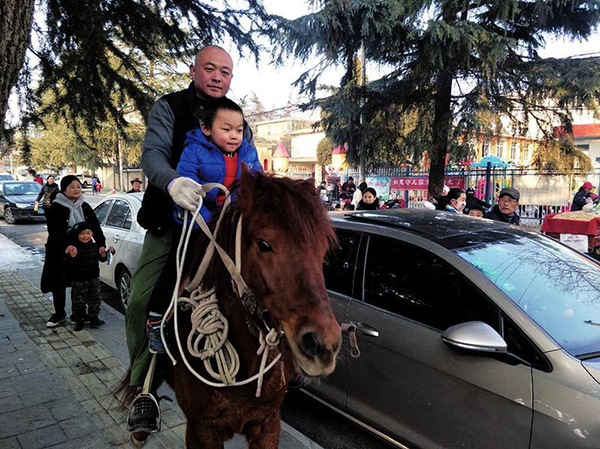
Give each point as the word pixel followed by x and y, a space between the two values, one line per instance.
pixel 150 429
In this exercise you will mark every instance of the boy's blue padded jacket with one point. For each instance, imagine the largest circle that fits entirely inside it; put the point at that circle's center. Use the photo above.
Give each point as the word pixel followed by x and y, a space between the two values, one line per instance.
pixel 203 162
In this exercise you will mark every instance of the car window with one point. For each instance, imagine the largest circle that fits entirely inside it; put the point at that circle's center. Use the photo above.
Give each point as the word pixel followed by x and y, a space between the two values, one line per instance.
pixel 556 287
pixel 102 210
pixel 340 263
pixel 414 283
pixel 118 214
pixel 23 188
pixel 127 222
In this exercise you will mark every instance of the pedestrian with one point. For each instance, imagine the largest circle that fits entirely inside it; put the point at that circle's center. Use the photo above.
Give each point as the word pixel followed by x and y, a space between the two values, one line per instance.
pixel 213 153
pixel 472 201
pixel 98 185
pixel 170 119
pixel 94 185
pixel 349 187
pixel 47 194
pixel 38 178
pixel 505 210
pixel 136 186
pixel 581 197
pixel 454 201
pixel 358 193
pixel 369 200
pixel 476 211
pixel 67 209
pixel 83 256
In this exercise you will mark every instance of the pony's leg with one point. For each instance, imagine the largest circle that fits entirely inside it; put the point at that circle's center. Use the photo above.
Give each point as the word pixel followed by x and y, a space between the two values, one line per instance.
pixel 199 436
pixel 264 435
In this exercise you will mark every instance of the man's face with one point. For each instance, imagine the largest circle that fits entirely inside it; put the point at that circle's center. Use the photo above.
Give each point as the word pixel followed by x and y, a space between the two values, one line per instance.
pixel 50 180
pixel 137 185
pixel 85 236
pixel 212 72
pixel 507 205
pixel 227 130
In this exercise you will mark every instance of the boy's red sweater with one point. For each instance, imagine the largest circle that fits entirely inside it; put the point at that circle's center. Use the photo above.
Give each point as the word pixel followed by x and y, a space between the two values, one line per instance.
pixel 231 165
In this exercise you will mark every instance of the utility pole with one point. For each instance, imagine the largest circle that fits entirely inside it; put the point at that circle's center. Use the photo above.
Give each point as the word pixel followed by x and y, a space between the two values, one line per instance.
pixel 122 188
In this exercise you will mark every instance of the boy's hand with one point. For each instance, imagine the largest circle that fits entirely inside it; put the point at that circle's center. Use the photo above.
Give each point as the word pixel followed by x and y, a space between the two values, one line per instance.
pixel 102 251
pixel 112 249
pixel 186 193
pixel 71 251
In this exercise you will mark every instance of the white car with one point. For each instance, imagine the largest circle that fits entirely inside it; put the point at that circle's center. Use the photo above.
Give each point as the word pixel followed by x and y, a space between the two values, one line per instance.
pixel 117 215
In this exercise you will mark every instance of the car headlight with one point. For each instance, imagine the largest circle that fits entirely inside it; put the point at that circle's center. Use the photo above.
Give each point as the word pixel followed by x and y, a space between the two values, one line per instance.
pixel 23 205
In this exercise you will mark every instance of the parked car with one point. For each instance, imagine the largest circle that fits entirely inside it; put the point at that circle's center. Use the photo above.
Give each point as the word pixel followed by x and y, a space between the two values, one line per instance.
pixel 17 201
pixel 118 217
pixel 6 177
pixel 85 179
pixel 472 333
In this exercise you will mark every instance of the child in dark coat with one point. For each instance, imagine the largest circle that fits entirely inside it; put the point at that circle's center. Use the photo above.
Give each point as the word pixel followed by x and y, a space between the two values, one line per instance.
pixel 84 256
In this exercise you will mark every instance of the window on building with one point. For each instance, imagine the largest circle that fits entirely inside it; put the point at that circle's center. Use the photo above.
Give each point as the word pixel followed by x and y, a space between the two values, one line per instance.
pixel 513 151
pixel 485 148
pixel 499 148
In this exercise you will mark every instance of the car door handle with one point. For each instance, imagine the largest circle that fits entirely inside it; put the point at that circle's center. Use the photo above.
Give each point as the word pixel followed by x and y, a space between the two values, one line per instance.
pixel 366 329
pixel 116 238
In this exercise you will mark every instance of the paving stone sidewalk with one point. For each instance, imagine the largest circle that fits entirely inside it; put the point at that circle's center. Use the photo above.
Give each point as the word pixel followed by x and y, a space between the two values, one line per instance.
pixel 56 384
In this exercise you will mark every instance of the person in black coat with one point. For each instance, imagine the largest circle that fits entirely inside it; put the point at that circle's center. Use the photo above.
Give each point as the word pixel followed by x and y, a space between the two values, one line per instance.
pixel 472 200
pixel 505 210
pixel 47 193
pixel 581 197
pixel 369 200
pixel 68 209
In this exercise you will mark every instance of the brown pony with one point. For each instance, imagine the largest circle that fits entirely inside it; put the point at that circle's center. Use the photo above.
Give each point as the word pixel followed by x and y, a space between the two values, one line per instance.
pixel 286 234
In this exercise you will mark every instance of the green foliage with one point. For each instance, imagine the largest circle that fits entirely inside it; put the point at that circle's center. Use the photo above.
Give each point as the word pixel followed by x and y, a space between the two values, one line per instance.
pixel 561 155
pixel 103 59
pixel 324 149
pixel 454 69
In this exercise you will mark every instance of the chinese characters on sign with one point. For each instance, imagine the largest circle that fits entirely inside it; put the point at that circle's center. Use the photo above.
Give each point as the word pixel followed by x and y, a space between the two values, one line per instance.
pixel 422 183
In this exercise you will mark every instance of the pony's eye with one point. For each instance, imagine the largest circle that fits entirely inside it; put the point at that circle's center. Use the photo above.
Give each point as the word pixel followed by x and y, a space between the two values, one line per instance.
pixel 263 246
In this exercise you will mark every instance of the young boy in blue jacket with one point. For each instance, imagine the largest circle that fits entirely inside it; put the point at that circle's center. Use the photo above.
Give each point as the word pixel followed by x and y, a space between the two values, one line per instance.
pixel 212 153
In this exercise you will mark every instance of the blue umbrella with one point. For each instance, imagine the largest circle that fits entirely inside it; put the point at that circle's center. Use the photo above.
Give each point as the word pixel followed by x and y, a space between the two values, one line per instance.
pixel 495 161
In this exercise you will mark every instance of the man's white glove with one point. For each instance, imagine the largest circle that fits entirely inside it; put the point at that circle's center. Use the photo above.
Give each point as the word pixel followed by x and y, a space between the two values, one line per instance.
pixel 186 193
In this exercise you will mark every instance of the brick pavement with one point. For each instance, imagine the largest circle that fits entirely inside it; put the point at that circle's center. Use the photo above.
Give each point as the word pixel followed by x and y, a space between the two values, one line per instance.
pixel 56 384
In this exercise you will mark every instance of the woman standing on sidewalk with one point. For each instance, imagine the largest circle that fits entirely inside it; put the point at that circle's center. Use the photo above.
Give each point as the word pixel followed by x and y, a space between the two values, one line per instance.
pixel 68 209
pixel 47 194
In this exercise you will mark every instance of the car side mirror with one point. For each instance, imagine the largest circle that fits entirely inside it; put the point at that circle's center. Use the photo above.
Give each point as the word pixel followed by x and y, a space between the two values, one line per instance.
pixel 474 336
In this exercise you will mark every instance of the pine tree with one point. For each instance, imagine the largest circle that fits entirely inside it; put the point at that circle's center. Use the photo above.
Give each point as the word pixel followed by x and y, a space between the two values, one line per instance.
pixel 460 65
pixel 93 51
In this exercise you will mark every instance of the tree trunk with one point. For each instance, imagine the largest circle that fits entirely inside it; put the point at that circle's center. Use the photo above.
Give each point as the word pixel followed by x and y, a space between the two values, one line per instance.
pixel 442 122
pixel 15 31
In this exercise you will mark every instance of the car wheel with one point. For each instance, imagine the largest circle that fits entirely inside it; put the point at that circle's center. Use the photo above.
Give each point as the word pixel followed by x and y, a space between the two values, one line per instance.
pixel 124 286
pixel 9 216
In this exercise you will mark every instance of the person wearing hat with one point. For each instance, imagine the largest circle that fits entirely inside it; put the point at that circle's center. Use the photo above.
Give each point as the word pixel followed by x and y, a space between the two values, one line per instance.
pixel 581 197
pixel 136 186
pixel 505 210
pixel 67 209
pixel 473 201
pixel 85 274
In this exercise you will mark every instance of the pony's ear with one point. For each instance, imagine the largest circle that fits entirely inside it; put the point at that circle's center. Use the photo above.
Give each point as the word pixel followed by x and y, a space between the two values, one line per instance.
pixel 247 181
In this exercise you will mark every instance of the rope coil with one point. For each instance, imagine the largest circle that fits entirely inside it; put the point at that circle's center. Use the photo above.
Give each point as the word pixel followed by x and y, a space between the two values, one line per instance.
pixel 208 323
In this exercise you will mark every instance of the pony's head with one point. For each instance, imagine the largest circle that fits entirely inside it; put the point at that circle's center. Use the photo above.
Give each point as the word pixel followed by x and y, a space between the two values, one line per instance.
pixel 286 235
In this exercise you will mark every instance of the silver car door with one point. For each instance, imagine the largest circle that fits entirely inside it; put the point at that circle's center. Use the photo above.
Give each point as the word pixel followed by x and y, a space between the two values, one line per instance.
pixel 411 386
pixel 101 211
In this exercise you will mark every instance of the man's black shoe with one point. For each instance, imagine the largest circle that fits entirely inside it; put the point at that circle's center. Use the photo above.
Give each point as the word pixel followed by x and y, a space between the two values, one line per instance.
pixel 143 414
pixel 73 318
pixel 78 326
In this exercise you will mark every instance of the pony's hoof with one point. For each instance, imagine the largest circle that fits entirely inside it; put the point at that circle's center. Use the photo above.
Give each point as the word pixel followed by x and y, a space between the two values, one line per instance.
pixel 138 439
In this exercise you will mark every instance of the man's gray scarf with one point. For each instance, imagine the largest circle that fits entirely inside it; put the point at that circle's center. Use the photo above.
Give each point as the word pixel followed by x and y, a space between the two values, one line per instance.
pixel 75 210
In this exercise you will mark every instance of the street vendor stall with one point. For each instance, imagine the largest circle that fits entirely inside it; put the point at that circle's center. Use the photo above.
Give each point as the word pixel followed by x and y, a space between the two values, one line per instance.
pixel 579 230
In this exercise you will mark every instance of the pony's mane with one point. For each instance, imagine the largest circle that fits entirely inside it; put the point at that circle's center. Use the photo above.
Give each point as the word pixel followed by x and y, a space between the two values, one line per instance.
pixel 290 205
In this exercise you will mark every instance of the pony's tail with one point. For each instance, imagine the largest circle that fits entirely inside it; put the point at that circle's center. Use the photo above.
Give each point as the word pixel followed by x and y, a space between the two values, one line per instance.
pixel 124 392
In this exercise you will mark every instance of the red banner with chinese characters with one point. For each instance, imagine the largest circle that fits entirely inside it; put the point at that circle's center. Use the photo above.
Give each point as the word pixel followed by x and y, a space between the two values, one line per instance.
pixel 422 182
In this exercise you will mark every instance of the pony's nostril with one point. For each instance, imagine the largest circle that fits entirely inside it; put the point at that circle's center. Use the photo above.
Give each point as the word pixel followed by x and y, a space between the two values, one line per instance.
pixel 310 344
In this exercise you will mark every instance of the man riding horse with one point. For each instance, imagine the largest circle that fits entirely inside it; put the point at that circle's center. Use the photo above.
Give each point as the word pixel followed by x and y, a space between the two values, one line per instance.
pixel 171 117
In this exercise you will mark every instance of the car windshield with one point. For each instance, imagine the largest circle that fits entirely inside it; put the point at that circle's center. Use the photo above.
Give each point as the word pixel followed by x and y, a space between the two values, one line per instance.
pixel 556 286
pixel 4 177
pixel 21 188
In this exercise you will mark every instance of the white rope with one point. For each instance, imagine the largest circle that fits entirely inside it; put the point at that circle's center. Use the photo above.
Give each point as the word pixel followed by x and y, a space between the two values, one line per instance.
pixel 208 323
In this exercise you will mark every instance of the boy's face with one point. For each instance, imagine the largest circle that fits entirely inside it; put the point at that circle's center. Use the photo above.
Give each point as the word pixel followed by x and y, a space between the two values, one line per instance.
pixel 227 130
pixel 476 213
pixel 85 236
